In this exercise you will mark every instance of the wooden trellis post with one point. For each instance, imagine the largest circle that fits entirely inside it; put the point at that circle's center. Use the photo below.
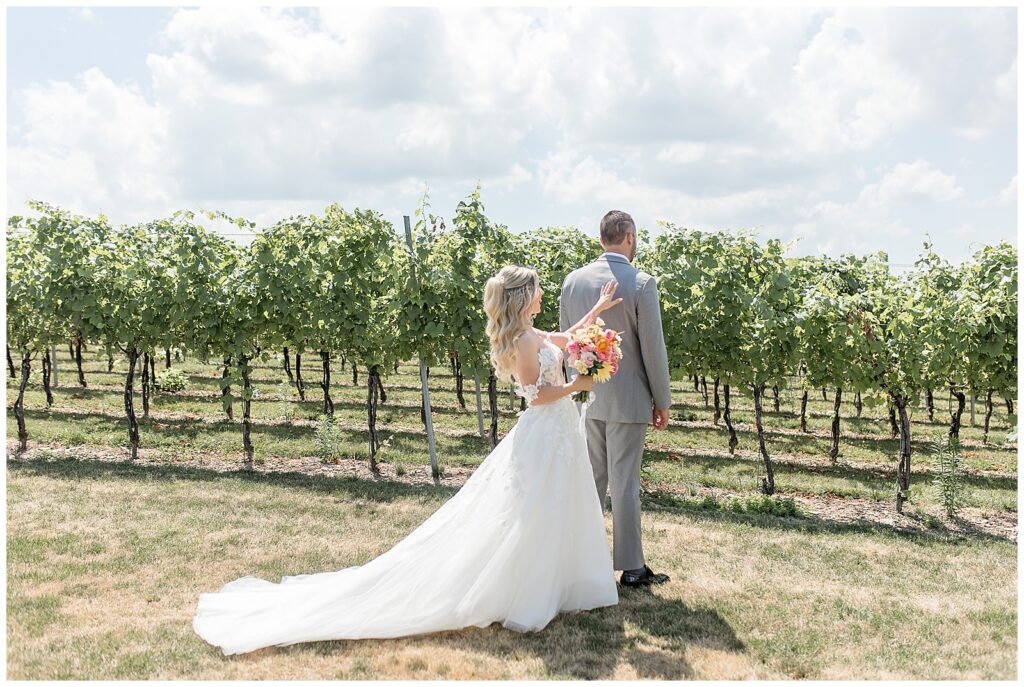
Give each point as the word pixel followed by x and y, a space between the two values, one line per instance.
pixel 423 368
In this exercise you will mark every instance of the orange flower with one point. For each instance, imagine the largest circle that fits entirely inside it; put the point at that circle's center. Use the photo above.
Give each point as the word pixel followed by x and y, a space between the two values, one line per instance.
pixel 602 345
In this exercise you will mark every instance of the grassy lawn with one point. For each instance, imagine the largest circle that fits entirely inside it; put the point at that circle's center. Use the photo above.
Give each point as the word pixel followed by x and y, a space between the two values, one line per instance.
pixel 105 562
pixel 106 559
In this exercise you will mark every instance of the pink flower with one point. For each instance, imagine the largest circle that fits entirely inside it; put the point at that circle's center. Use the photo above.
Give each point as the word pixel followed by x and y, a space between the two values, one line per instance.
pixel 596 350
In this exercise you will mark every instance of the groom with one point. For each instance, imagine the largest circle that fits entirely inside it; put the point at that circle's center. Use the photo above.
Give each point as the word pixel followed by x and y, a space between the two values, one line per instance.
pixel 637 394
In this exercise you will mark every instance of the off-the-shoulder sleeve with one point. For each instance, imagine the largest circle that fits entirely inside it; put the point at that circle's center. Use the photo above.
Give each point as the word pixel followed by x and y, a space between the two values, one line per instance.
pixel 529 392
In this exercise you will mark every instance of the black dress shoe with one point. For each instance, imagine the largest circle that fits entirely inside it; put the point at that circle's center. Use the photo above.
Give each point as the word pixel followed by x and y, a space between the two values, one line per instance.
pixel 648 576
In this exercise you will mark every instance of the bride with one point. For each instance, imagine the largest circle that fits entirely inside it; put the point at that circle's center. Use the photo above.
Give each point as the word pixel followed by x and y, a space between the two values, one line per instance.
pixel 522 540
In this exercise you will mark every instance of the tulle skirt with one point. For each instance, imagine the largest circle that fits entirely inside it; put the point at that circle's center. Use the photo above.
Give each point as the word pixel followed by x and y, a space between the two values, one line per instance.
pixel 522 540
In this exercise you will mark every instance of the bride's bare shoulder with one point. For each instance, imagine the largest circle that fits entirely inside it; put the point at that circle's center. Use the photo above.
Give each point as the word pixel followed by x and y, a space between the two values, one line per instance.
pixel 527 340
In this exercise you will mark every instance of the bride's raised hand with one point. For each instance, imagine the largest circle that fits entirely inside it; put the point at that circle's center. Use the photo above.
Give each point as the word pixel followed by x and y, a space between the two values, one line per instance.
pixel 605 301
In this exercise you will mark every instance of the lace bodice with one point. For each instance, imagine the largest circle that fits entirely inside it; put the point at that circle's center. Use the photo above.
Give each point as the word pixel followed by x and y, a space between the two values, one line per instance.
pixel 550 358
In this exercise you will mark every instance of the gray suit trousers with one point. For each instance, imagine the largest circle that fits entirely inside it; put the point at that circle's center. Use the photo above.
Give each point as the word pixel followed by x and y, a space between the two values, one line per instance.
pixel 615 451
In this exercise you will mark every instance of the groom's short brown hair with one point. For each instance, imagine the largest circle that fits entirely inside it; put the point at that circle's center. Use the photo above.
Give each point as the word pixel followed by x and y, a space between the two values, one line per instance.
pixel 614 227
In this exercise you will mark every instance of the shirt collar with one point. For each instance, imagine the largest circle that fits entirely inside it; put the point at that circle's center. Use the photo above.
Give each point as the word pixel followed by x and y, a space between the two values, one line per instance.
pixel 613 254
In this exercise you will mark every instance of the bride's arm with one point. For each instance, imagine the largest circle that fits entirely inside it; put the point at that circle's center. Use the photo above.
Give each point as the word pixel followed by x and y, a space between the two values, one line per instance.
pixel 528 372
pixel 562 339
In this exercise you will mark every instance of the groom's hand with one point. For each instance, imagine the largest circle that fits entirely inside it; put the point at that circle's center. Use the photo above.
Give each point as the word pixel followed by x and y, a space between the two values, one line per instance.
pixel 659 418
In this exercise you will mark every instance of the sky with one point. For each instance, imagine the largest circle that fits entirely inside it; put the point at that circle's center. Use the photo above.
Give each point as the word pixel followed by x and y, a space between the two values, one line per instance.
pixel 842 130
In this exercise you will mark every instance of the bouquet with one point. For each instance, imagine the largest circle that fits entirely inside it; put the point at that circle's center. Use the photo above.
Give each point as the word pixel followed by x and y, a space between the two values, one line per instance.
pixel 594 350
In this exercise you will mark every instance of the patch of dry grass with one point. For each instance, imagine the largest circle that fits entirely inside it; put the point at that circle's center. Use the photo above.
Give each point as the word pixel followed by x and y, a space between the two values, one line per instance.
pixel 106 561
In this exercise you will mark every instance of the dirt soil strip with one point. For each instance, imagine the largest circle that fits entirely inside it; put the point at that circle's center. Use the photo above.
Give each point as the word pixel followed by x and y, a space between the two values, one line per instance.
pixel 972 522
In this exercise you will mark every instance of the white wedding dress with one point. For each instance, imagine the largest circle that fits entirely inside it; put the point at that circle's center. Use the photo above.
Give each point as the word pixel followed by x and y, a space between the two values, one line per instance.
pixel 522 540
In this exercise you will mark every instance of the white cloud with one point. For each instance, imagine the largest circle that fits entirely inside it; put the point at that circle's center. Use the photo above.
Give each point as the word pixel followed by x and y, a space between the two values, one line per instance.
pixel 264 48
pixel 687 152
pixel 1008 196
pixel 93 143
pixel 853 227
pixel 845 94
pixel 350 98
pixel 516 177
pixel 429 132
pixel 790 120
pixel 877 215
pixel 916 180
pixel 85 14
pixel 70 179
pixel 572 179
pixel 683 152
pixel 994 105
pixel 962 60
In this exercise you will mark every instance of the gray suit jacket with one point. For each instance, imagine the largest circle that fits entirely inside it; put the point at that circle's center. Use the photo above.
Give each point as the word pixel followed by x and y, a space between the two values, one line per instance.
pixel 642 381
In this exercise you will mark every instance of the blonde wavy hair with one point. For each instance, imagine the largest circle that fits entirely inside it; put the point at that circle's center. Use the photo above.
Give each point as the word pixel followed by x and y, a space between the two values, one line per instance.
pixel 507 299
